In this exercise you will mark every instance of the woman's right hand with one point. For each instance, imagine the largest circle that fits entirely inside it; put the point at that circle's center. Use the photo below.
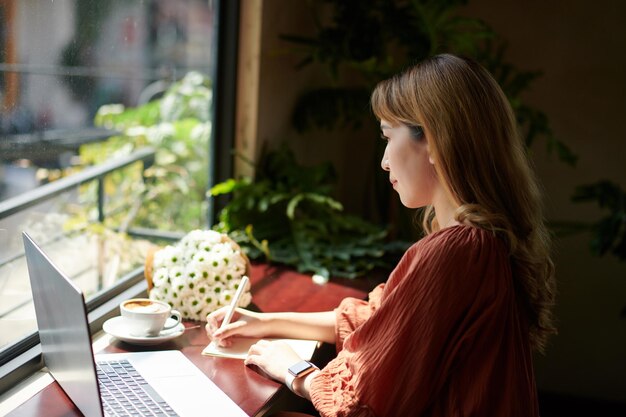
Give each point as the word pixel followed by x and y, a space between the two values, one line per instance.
pixel 245 323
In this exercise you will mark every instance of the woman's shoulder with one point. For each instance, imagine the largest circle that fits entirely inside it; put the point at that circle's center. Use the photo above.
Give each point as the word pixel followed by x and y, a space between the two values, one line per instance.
pixel 458 253
pixel 459 261
pixel 459 246
pixel 456 237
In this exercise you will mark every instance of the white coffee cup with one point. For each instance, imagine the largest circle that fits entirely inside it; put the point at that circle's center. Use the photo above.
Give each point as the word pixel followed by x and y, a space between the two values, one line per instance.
pixel 147 318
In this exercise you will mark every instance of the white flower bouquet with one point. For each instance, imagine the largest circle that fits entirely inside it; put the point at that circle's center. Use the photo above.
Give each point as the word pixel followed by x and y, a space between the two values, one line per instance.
pixel 199 274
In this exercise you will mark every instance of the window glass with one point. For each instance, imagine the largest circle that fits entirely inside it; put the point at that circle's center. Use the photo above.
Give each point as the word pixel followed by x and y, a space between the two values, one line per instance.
pixel 94 82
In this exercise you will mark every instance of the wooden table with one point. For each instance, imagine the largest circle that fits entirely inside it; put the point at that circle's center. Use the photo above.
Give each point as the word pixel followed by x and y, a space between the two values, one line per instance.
pixel 273 289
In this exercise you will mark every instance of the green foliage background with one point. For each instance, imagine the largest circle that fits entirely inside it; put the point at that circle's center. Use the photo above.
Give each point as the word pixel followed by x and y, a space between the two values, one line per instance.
pixel 178 126
pixel 287 215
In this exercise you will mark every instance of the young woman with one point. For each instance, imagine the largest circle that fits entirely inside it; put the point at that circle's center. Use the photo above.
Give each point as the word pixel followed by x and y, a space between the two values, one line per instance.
pixel 451 332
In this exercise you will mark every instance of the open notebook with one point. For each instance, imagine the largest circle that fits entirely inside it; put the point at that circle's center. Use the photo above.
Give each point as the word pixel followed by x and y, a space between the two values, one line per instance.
pixel 240 347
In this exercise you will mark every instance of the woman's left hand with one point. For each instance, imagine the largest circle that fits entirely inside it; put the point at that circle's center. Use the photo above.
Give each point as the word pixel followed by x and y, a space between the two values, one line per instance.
pixel 274 358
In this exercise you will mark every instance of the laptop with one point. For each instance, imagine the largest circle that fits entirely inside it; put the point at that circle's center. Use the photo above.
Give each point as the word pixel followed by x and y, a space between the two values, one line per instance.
pixel 161 383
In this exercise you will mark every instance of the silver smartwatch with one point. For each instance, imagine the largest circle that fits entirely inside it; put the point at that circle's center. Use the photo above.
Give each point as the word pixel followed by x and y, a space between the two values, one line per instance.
pixel 298 370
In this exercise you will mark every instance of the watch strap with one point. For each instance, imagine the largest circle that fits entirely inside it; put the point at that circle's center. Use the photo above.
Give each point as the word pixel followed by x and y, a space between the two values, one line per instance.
pixel 296 371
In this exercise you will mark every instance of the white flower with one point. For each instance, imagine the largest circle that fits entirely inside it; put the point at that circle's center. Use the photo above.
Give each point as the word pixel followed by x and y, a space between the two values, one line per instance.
pixel 195 273
pixel 209 307
pixel 191 308
pixel 157 293
pixel 226 297
pixel 159 277
pixel 175 273
pixel 199 274
pixel 168 257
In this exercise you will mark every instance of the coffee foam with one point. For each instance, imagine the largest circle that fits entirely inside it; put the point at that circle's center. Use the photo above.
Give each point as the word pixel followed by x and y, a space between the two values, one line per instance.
pixel 145 307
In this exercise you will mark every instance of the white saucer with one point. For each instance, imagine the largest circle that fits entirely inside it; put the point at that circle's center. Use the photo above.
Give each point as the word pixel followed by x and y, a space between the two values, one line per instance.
pixel 116 327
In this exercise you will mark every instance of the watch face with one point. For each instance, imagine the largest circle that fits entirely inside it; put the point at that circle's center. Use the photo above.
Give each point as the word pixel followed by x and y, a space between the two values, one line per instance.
pixel 300 367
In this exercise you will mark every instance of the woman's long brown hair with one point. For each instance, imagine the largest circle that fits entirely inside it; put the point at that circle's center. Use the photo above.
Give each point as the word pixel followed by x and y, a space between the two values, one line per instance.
pixel 481 160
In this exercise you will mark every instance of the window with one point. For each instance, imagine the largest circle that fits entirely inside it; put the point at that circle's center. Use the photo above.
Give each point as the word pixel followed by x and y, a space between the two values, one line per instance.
pixel 94 83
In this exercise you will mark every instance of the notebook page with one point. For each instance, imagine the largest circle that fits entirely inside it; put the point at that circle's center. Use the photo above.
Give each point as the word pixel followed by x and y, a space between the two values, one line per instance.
pixel 241 345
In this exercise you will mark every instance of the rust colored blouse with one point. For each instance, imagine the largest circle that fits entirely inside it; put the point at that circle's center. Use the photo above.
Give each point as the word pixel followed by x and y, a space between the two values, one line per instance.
pixel 443 337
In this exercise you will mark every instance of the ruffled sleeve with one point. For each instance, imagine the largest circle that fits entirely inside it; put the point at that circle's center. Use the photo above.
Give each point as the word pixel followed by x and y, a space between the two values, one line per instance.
pixel 353 312
pixel 333 390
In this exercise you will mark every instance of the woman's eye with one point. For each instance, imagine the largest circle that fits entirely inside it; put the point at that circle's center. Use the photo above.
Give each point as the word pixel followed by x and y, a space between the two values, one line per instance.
pixel 417 132
pixel 383 137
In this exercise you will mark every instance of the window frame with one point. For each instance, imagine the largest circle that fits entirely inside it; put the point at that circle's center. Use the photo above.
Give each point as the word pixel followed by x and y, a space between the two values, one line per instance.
pixel 23 358
pixel 222 141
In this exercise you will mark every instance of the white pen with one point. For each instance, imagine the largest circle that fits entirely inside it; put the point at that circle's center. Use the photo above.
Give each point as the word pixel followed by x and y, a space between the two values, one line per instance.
pixel 233 304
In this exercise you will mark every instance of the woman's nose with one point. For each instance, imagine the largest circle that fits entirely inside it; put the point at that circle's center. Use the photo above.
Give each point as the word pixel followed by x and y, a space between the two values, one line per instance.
pixel 384 163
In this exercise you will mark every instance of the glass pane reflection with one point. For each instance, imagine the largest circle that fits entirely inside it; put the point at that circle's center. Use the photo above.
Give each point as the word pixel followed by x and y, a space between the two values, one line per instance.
pixel 60 61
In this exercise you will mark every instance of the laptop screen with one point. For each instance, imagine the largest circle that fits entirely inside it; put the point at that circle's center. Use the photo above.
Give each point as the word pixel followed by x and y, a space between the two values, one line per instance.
pixel 63 330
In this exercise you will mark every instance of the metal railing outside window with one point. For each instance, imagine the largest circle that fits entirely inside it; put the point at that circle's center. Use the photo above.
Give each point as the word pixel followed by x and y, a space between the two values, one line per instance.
pixel 17 319
pixel 16 214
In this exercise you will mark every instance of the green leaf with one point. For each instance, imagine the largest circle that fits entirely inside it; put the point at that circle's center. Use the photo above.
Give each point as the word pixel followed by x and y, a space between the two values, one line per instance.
pixel 609 232
pixel 293 203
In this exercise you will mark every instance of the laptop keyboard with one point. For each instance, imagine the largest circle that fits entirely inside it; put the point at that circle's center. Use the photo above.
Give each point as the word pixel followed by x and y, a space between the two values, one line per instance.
pixel 125 393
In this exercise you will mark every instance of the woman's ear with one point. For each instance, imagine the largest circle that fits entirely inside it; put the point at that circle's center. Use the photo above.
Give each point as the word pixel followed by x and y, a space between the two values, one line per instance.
pixel 430 157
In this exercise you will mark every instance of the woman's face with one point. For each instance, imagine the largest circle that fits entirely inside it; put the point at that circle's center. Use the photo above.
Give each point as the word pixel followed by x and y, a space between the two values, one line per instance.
pixel 406 158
